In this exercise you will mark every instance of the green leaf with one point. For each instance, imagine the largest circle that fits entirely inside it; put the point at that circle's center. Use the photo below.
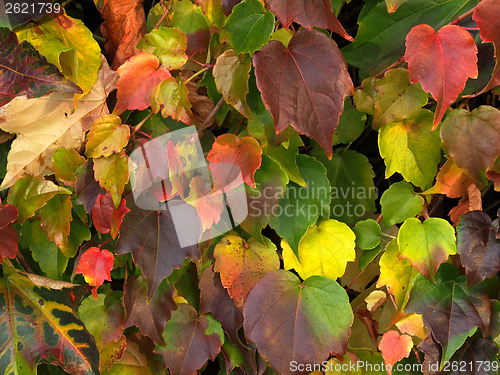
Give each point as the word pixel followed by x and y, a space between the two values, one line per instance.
pixel 351 177
pixel 293 321
pixel 324 250
pixel 67 44
pixel 351 124
pixel 426 244
pixel 364 98
pixel 368 234
pixel 231 73
pixel 287 157
pixel 30 193
pixel 171 98
pixel 370 359
pixel 168 44
pixel 380 40
pixel 55 219
pixel 39 324
pixel 189 19
pixel 301 206
pixel 45 252
pixel 411 148
pixel 249 26
pixel 65 163
pixel 106 136
pixel 396 98
pixel 399 203
pixel 451 311
pixel 112 174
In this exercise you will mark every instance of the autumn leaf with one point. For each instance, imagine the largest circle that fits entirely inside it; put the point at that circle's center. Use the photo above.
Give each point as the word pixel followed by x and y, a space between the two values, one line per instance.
pixel 25 72
pixel 393 5
pixel 95 265
pixel 394 348
pixel 139 78
pixel 171 98
pixel 106 136
pixel 228 5
pixel 55 219
pixel 451 180
pixel 208 206
pixel 105 217
pixel 168 44
pixel 113 174
pixel 8 235
pixel 228 154
pixel 317 78
pixel 65 163
pixel 308 13
pixel 412 324
pixel 442 62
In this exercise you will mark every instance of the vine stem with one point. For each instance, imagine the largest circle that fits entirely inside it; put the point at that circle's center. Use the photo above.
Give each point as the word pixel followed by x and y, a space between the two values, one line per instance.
pixel 463 16
pixel 136 128
pixel 199 72
pixel 393 65
pixel 211 115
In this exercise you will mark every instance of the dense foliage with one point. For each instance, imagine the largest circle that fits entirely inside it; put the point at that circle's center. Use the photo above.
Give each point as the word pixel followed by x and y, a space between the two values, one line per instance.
pixel 215 187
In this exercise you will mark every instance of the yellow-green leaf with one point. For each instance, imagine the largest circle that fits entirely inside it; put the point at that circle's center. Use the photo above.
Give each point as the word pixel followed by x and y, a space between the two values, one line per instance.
pixel 168 44
pixel 65 163
pixel 55 218
pixel 171 98
pixel 106 136
pixel 112 174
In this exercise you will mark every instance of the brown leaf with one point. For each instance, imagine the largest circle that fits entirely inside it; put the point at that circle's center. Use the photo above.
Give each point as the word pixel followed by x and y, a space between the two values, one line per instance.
pixel 475 201
pixel 371 324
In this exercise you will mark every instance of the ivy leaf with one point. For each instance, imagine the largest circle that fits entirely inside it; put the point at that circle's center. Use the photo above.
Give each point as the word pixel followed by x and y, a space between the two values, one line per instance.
pixel 31 193
pixel 112 173
pixel 324 250
pixel 478 246
pixel 393 5
pixel 442 62
pixel 153 239
pixel 394 348
pixel 301 206
pixel 317 78
pixel 451 180
pixel 412 324
pixel 228 5
pixel 308 13
pixel 368 357
pixel 55 218
pixel 318 319
pixel 65 163
pixel 451 311
pixel 8 235
pixel 368 233
pixel 399 203
pixel 11 20
pixel 426 245
pixel 216 300
pixel 229 149
pixel 139 77
pixel 241 264
pixel 411 148
pixel 149 314
pixel 172 98
pixel 104 216
pixel 231 73
pixel 262 201
pixel 26 72
pixel 168 44
pixel 68 44
pixel 86 187
pixel 95 265
pixel 249 26
pixel 287 157
pixel 396 98
pixel 208 206
pixel 106 136
pixel 472 140
pixel 39 324
pixel 191 341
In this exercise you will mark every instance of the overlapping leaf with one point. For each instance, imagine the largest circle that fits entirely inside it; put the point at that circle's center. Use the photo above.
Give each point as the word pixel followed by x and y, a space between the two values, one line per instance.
pixel 311 97
pixel 65 163
pixel 394 348
pixel 106 136
pixel 113 174
pixel 171 98
pixel 313 318
pixel 399 203
pixel 168 44
pixel 55 217
pixel 442 62
pixel 105 217
pixel 451 180
pixel 8 235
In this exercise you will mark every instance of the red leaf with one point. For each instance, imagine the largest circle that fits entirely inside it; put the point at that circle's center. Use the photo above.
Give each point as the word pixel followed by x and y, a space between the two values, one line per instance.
pixel 308 13
pixel 8 214
pixel 106 219
pixel 139 78
pixel 442 62
pixel 394 348
pixel 487 16
pixel 229 149
pixel 304 85
pixel 8 235
pixel 96 265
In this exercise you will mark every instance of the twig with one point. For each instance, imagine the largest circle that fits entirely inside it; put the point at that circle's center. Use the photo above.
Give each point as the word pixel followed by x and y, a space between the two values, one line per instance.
pixel 165 12
pixel 400 61
pixel 352 282
pixel 199 72
pixel 23 262
pixel 211 115
pixel 136 128
pixel 460 18
pixel 379 218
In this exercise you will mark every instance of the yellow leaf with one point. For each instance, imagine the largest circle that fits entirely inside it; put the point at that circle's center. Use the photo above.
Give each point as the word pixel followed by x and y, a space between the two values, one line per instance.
pixel 413 325
pixel 374 299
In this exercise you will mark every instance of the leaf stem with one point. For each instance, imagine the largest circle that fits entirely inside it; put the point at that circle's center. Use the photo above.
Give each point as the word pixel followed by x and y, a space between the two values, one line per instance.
pixel 393 65
pixel 199 72
pixel 136 128
pixel 211 115
pixel 463 16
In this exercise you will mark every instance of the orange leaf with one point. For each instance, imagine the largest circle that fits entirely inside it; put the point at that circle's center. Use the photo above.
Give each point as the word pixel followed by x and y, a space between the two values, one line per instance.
pixel 442 62
pixel 208 206
pixel 227 151
pixel 451 180
pixel 95 265
pixel 139 78
pixel 394 348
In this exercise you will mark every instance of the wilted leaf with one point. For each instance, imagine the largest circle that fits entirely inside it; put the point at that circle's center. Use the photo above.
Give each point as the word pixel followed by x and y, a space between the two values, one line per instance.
pixel 472 140
pixel 106 136
pixel 249 26
pixel 442 62
pixel 26 72
pixel 411 148
pixel 65 163
pixel 394 347
pixel 123 27
pixel 149 314
pixel 308 13
pixel 39 324
pixel 313 318
pixel 105 217
pixel 241 264
pixel 375 299
pixel 229 149
pixel 95 265
pixel 168 44
pixel 324 250
pixel 191 341
pixel 55 219
pixel 231 73
pixel 68 44
pixel 112 173
pixel 139 78
pixel 111 353
pixel 399 203
pixel 451 311
pixel 451 180
pixel 317 78
pixel 478 246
